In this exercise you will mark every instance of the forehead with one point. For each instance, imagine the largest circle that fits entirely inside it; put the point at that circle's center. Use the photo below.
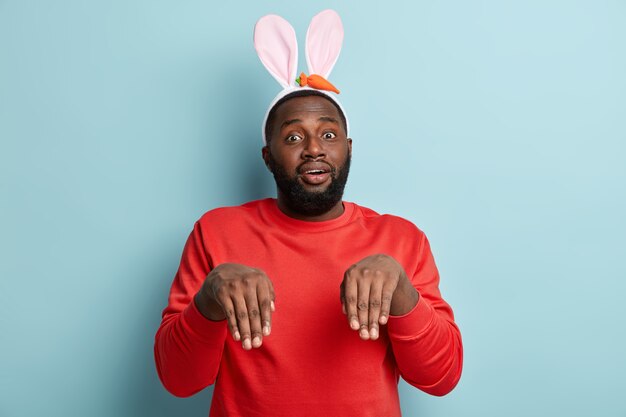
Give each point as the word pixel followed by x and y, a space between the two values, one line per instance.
pixel 305 107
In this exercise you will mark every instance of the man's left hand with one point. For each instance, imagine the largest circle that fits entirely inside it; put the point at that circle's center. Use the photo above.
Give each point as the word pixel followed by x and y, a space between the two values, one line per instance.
pixel 371 290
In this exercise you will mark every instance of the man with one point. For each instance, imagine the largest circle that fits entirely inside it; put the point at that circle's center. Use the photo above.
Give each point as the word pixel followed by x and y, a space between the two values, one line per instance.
pixel 306 305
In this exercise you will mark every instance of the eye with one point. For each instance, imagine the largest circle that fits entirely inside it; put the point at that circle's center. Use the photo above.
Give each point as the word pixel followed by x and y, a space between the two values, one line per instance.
pixel 293 138
pixel 329 135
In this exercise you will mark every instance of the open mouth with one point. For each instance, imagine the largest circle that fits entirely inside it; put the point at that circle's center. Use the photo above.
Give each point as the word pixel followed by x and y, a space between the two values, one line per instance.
pixel 315 173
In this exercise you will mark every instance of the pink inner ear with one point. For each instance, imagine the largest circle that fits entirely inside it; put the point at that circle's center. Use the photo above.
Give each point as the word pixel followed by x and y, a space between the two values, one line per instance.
pixel 323 42
pixel 275 43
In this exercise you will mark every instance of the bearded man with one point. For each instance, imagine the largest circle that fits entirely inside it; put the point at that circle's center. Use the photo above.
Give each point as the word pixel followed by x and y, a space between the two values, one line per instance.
pixel 306 305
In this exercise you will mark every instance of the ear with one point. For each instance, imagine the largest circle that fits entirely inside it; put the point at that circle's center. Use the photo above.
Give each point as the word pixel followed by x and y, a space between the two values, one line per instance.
pixel 275 43
pixel 350 146
pixel 323 42
pixel 265 154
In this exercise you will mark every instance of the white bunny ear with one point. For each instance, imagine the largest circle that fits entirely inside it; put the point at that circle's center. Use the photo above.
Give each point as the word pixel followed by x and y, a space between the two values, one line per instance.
pixel 275 43
pixel 323 42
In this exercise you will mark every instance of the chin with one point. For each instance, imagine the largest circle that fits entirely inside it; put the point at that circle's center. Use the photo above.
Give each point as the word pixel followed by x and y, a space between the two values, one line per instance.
pixel 315 188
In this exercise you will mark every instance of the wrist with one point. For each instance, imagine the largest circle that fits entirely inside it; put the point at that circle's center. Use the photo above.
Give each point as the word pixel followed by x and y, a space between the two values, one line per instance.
pixel 405 297
pixel 208 308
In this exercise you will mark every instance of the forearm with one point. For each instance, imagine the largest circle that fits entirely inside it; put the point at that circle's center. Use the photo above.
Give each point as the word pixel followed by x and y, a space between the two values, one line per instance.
pixel 427 347
pixel 188 350
pixel 187 346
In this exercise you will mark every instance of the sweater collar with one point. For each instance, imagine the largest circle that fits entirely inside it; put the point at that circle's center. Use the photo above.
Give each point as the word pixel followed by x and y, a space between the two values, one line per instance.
pixel 277 217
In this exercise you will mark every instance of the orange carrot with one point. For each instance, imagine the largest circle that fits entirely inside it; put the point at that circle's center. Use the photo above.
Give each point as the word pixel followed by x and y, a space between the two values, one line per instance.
pixel 316 81
pixel 302 79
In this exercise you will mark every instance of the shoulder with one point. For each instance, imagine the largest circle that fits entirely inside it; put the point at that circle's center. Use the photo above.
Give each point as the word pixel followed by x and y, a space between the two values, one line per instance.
pixel 225 215
pixel 388 221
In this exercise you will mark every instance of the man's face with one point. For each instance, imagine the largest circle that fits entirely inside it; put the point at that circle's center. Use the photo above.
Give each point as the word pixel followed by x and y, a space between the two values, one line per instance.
pixel 309 154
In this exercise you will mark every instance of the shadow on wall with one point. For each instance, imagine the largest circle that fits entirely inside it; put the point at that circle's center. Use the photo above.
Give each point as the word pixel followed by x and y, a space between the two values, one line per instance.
pixel 233 138
pixel 244 107
pixel 241 108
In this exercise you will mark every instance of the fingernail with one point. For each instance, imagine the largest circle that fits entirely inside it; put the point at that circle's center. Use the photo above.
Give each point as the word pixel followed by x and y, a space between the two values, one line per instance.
pixel 266 330
pixel 374 333
pixel 272 306
pixel 364 334
pixel 256 342
pixel 383 320
pixel 237 336
pixel 246 344
pixel 343 308
pixel 354 324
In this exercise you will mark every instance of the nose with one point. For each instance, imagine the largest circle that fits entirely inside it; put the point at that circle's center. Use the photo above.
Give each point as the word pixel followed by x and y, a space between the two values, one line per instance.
pixel 313 148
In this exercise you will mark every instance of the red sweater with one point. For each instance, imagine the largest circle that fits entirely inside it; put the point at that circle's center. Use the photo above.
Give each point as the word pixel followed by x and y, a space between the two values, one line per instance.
pixel 312 364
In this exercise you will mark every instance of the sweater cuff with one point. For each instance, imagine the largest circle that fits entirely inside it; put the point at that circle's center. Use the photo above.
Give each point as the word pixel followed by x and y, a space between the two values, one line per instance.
pixel 413 323
pixel 206 330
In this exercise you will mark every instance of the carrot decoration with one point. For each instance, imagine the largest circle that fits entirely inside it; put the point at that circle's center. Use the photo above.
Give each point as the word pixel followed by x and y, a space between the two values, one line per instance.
pixel 316 81
pixel 302 79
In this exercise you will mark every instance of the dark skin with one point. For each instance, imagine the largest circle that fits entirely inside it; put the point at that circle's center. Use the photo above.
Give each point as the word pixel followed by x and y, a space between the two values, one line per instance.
pixel 307 130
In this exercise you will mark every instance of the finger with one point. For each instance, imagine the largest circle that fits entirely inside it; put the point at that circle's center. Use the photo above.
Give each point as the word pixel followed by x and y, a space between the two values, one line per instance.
pixel 385 301
pixel 241 313
pixel 350 297
pixel 254 318
pixel 265 303
pixel 231 318
pixel 363 301
pixel 374 306
pixel 342 297
pixel 272 293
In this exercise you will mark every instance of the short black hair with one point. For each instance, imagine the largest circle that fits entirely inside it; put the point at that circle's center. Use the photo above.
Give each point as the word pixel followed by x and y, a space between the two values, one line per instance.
pixel 299 93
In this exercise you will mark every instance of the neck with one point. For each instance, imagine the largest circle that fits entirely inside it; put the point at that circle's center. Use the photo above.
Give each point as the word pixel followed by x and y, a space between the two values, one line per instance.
pixel 336 211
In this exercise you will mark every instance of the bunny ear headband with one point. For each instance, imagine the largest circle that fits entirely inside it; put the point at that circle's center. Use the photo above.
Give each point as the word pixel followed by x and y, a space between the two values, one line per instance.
pixel 276 44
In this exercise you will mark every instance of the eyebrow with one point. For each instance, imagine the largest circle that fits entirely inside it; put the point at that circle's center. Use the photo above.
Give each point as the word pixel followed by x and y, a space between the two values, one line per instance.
pixel 290 122
pixel 322 119
pixel 328 119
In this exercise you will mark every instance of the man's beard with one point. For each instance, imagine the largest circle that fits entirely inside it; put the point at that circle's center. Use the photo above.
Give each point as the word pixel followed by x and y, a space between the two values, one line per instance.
pixel 308 203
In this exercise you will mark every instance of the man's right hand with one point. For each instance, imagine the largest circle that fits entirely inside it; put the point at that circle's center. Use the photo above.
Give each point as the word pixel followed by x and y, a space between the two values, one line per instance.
pixel 242 295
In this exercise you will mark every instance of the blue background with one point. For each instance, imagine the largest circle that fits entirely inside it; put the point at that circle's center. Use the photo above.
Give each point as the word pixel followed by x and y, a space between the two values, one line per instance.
pixel 497 127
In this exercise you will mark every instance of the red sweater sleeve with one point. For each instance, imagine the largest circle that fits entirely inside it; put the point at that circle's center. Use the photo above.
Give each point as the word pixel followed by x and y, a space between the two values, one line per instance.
pixel 188 347
pixel 426 342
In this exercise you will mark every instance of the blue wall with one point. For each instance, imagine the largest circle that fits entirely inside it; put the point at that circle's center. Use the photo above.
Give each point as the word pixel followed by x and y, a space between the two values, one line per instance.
pixel 497 127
